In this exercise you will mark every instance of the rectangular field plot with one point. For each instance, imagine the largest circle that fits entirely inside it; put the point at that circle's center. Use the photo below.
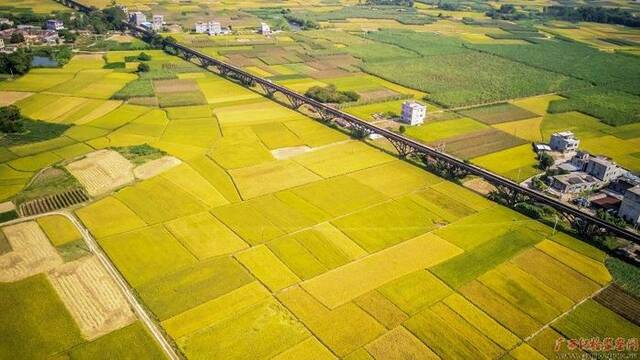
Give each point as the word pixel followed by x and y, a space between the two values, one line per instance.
pixel 216 176
pixel 473 263
pixel 36 81
pixel 240 147
pixel 483 322
pixel 203 132
pixel 590 268
pixel 270 177
pixel 146 254
pixel 415 291
pixel 479 143
pixel 406 178
pixel 205 236
pixel 254 227
pixel 27 305
pixel 310 347
pixel 499 309
pixel 267 268
pixel 213 311
pixel 591 320
pixel 556 275
pixel 523 290
pixel 361 276
pixel 528 129
pixel 157 199
pixel 443 206
pixel 518 163
pixel 217 90
pixel 255 113
pixel 438 130
pixel 537 104
pixel 119 117
pixel 387 224
pixel 132 340
pixel 192 182
pixel 266 330
pixel 313 134
pixel 179 291
pixel 341 159
pixel 355 195
pixel 399 343
pixel 276 135
pixel 383 310
pixel 343 329
pixel 450 336
pixel 288 218
pixel 109 216
pixel 59 229
pixel 500 113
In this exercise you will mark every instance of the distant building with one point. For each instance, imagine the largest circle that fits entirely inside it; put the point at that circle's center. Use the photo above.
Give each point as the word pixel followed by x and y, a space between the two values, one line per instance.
pixel 265 29
pixel 210 27
pixel 541 147
pixel 214 28
pixel 201 27
pixel 630 207
pixel 574 183
pixel 413 113
pixel 54 24
pixel 137 18
pixel 158 22
pixel 564 141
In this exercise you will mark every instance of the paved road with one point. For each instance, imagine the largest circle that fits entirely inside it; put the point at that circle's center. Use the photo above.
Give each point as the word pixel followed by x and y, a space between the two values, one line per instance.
pixel 119 279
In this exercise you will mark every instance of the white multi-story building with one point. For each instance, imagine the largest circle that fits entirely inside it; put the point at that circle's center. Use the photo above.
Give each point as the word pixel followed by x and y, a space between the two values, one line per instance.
pixel 564 141
pixel 54 24
pixel 214 28
pixel 210 27
pixel 137 18
pixel 265 29
pixel 158 22
pixel 413 113
pixel 630 207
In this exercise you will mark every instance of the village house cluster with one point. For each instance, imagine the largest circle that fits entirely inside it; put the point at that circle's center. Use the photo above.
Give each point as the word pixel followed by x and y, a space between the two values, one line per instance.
pixel 589 180
pixel 18 36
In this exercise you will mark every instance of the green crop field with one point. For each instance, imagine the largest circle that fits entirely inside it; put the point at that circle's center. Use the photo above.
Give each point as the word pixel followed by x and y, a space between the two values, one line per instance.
pixel 277 236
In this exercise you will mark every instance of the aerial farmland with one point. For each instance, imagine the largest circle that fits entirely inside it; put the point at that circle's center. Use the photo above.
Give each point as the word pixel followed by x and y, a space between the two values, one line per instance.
pixel 241 180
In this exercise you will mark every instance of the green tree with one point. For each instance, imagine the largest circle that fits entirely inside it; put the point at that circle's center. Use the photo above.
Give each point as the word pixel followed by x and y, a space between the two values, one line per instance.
pixel 17 63
pixel 143 67
pixel 16 38
pixel 144 57
pixel 10 119
pixel 402 129
pixel 546 160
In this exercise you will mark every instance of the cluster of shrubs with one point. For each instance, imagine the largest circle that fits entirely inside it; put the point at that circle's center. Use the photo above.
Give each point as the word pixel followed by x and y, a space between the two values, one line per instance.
pixel 330 94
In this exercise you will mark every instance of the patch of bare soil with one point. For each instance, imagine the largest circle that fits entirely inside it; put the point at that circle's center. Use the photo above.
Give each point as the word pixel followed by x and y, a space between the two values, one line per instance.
pixel 10 97
pixel 92 296
pixel 102 171
pixel 155 167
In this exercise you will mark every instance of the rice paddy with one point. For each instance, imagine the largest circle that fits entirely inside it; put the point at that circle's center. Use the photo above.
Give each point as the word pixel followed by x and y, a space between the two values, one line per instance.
pixel 340 250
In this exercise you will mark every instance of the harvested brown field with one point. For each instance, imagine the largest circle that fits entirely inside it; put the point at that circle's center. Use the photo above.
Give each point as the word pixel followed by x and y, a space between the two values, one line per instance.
pixel 377 95
pixel 9 97
pixel 329 73
pixel 240 60
pixel 155 167
pixel 621 302
pixel 171 86
pixel 32 252
pixel 92 296
pixel 102 171
pixel 478 143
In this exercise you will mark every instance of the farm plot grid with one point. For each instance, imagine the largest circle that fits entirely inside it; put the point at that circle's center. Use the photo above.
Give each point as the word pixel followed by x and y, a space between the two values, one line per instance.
pixel 320 253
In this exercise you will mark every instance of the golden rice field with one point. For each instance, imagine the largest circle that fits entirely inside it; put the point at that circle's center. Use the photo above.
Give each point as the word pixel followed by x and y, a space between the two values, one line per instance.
pixel 338 251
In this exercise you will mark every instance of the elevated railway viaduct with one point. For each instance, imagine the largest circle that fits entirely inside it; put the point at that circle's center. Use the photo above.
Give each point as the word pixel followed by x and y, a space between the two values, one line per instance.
pixel 405 147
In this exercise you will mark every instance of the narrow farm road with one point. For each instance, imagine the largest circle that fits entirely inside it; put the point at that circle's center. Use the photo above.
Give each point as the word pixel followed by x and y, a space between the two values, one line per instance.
pixel 95 249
